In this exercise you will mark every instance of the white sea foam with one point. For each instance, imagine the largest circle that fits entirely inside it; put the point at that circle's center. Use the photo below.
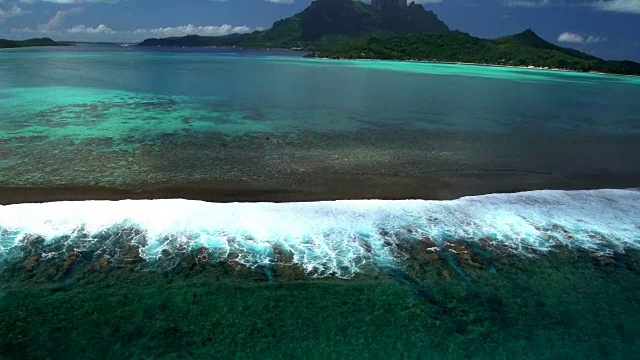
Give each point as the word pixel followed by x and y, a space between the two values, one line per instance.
pixel 338 237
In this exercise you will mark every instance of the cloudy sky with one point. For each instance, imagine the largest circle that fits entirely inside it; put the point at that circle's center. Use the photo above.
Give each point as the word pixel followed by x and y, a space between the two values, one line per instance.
pixel 608 28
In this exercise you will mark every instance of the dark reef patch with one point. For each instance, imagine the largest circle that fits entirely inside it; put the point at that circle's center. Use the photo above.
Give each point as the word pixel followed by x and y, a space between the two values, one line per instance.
pixel 454 301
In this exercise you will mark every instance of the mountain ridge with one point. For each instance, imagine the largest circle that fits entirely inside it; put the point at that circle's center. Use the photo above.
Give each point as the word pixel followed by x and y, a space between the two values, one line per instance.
pixel 322 22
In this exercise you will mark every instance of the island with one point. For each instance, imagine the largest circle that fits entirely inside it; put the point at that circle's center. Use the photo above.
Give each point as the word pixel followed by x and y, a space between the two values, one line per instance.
pixel 8 44
pixel 323 24
pixel 525 49
pixel 395 30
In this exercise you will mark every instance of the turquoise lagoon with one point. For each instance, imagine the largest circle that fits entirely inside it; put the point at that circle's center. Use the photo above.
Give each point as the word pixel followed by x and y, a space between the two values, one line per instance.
pixel 104 110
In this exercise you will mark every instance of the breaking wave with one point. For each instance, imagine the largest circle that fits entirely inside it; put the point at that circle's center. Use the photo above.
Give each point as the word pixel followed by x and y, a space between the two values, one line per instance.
pixel 324 238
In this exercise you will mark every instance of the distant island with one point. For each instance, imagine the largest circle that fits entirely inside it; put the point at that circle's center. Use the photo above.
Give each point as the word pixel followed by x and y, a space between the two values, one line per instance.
pixel 395 30
pixel 523 49
pixel 7 44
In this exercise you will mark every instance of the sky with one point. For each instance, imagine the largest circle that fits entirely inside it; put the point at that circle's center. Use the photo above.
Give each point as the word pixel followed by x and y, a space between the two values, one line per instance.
pixel 606 28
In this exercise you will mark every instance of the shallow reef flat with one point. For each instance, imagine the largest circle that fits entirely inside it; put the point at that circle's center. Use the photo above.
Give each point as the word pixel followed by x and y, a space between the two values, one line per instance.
pixel 218 127
pixel 458 300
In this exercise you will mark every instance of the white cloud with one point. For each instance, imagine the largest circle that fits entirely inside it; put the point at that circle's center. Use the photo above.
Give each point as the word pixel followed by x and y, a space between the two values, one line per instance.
pixel 625 6
pixel 280 1
pixel 12 12
pixel 104 33
pixel 574 38
pixel 59 18
pixel 81 29
pixel 527 3
pixel 192 30
pixel 595 39
pixel 569 37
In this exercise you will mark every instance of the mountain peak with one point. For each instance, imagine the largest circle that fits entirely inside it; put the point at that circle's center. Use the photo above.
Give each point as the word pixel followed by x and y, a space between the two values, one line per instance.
pixel 530 38
pixel 328 20
pixel 348 18
pixel 529 35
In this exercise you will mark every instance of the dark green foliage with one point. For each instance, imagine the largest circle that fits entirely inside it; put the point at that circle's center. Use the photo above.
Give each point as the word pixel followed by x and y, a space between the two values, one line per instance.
pixel 27 43
pixel 523 49
pixel 324 21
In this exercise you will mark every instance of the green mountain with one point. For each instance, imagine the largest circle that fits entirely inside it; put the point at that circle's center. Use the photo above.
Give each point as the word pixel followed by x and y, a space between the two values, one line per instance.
pixel 523 49
pixel 27 43
pixel 324 22
pixel 350 29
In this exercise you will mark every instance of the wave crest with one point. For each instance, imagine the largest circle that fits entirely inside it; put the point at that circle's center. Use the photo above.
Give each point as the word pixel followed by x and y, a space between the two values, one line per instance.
pixel 324 238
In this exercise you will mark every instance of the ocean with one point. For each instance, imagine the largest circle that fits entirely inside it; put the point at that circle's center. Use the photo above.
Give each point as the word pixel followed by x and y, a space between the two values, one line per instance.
pixel 208 203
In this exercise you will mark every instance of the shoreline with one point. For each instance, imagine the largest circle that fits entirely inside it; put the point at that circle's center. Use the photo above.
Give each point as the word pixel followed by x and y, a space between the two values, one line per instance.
pixel 529 67
pixel 307 52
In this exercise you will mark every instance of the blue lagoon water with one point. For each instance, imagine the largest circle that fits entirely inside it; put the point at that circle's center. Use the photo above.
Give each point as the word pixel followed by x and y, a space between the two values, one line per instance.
pixel 185 203
pixel 139 119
